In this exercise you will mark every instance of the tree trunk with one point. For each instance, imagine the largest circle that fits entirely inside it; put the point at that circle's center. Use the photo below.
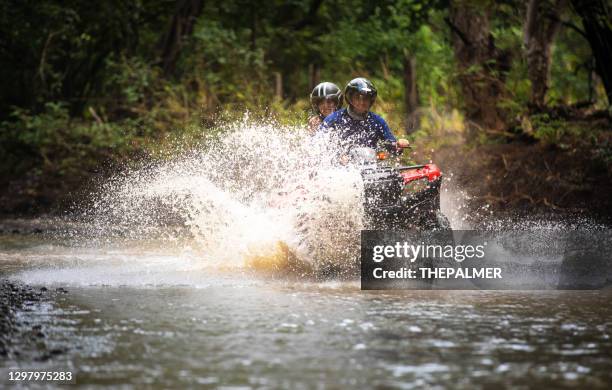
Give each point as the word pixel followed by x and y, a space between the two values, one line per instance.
pixel 181 26
pixel 541 27
pixel 411 94
pixel 278 85
pixel 254 24
pixel 481 65
pixel 596 18
pixel 314 75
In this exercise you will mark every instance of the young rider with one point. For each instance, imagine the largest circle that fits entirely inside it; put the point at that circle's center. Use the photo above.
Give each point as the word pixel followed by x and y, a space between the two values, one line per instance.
pixel 325 98
pixel 357 125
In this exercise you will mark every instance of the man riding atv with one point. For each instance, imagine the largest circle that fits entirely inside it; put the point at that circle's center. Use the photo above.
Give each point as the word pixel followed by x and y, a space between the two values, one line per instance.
pixel 325 98
pixel 395 196
pixel 371 191
pixel 357 125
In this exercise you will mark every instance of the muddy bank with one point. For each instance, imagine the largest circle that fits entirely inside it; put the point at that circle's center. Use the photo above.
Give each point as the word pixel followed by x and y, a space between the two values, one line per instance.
pixel 521 179
pixel 19 338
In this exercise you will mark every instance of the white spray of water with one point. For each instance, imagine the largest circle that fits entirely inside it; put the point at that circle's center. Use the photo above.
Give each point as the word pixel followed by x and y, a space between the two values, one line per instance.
pixel 254 186
pixel 454 204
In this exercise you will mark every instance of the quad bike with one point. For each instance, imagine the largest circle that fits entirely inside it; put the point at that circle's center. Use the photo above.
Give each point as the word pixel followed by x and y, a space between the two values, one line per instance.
pixel 392 197
pixel 395 196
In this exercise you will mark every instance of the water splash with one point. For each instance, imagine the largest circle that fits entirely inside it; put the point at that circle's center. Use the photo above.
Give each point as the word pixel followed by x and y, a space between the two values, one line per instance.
pixel 240 195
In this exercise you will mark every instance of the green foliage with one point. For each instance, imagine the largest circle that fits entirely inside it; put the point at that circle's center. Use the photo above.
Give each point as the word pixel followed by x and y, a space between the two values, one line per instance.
pixel 129 79
pixel 385 37
pixel 83 82
pixel 572 67
pixel 564 134
pixel 226 63
pixel 53 142
pixel 547 129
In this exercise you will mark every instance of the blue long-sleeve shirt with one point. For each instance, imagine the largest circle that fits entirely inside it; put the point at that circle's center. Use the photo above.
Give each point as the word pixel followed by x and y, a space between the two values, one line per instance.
pixel 366 132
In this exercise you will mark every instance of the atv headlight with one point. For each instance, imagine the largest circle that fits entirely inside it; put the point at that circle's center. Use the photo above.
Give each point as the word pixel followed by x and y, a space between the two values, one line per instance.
pixel 382 155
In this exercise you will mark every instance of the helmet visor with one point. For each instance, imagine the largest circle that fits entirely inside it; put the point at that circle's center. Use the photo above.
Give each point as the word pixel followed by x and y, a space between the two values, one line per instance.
pixel 361 101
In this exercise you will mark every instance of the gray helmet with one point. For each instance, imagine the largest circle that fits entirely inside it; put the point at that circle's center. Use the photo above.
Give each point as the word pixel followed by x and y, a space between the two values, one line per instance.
pixel 362 86
pixel 325 91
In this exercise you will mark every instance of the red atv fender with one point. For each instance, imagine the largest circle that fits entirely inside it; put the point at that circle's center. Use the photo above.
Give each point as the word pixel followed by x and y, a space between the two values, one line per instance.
pixel 417 172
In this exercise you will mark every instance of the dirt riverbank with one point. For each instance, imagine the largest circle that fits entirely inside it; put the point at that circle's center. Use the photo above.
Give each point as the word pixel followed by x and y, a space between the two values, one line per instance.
pixel 523 179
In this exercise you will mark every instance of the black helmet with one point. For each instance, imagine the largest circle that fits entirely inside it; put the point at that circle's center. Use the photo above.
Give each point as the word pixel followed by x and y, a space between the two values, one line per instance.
pixel 360 85
pixel 325 91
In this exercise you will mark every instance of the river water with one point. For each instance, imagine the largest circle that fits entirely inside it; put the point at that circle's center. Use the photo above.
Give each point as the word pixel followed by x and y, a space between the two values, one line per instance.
pixel 167 271
pixel 147 313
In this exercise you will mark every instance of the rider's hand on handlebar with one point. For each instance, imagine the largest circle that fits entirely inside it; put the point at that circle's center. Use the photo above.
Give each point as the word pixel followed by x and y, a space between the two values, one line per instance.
pixel 402 144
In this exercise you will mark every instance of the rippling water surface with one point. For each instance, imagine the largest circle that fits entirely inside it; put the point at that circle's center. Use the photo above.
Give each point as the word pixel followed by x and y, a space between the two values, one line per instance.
pixel 152 315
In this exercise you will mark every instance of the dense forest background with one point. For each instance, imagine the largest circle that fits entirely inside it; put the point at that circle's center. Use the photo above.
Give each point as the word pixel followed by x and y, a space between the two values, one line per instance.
pixel 522 87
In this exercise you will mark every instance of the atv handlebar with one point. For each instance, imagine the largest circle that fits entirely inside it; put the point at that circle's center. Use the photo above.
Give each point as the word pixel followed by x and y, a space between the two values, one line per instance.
pixel 394 147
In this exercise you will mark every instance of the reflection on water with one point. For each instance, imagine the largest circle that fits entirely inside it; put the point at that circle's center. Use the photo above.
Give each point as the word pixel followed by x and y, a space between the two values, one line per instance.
pixel 158 316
